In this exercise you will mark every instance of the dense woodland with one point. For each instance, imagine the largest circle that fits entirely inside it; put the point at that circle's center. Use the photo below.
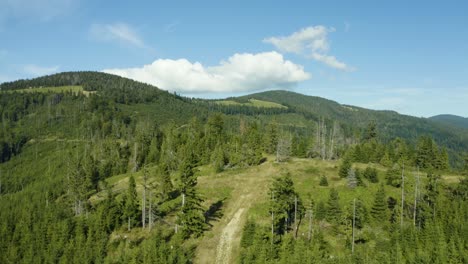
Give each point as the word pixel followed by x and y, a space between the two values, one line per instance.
pixel 60 153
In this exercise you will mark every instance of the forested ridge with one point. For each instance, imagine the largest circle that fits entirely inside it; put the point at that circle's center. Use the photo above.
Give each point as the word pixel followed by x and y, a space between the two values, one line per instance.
pixel 113 176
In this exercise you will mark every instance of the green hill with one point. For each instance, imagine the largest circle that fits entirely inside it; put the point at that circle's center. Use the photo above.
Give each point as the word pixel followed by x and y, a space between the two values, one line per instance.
pixel 451 120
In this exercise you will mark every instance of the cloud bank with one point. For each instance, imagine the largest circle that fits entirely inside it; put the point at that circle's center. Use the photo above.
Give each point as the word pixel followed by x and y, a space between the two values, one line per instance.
pixel 311 42
pixel 240 73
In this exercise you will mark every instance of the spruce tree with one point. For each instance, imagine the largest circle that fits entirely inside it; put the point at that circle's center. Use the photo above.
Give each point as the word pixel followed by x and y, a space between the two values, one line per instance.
pixel 130 206
pixel 323 181
pixel 218 159
pixel 282 203
pixel 379 207
pixel 344 167
pixel 190 217
pixel 333 207
pixel 371 174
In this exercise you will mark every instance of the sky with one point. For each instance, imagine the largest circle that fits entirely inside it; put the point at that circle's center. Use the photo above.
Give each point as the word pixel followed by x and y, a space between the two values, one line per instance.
pixel 406 56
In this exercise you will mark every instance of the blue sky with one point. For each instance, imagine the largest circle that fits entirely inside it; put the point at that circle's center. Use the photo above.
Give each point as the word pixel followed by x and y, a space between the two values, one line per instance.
pixel 407 56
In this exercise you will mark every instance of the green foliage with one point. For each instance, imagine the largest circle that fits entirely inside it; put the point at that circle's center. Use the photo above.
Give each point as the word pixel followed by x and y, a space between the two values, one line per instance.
pixel 333 207
pixel 218 159
pixel 190 217
pixel 371 174
pixel 130 205
pixel 323 181
pixel 393 176
pixel 345 167
pixel 379 207
pixel 282 204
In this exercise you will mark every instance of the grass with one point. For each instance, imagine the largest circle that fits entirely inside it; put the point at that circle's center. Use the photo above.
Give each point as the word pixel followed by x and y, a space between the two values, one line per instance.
pixel 253 102
pixel 59 89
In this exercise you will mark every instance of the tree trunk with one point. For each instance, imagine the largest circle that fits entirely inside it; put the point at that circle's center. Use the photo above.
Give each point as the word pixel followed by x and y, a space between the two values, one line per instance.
pixel 416 186
pixel 402 194
pixel 354 223
pixel 295 217
pixel 150 212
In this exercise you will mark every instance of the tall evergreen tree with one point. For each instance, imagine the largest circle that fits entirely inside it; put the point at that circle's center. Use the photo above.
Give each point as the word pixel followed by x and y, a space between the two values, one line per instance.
pixel 282 203
pixel 379 207
pixel 345 167
pixel 130 205
pixel 333 207
pixel 190 217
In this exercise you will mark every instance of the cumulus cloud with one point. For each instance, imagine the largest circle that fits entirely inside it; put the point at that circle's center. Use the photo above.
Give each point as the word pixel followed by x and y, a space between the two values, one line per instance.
pixel 311 42
pixel 240 73
pixel 121 32
pixel 36 70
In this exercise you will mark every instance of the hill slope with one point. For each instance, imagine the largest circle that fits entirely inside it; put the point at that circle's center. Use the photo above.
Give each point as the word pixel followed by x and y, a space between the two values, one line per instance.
pixel 389 123
pixel 451 120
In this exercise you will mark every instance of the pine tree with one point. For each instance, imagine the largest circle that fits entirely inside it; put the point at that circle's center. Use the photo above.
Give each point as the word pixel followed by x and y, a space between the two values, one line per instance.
pixel 333 207
pixel 371 174
pixel 320 211
pixel 153 154
pixel 283 203
pixel 271 138
pixel 344 167
pixel 323 181
pixel 130 206
pixel 165 180
pixel 190 218
pixel 379 207
pixel 218 159
pixel 393 176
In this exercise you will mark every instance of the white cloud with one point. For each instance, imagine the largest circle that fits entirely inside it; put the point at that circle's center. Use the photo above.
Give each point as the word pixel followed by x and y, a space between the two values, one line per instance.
pixel 240 73
pixel 311 42
pixel 117 32
pixel 36 70
pixel 311 38
pixel 331 61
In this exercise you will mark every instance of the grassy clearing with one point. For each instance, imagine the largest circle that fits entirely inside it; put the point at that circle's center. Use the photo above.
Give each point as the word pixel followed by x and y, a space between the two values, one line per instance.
pixel 59 89
pixel 253 102
pixel 244 193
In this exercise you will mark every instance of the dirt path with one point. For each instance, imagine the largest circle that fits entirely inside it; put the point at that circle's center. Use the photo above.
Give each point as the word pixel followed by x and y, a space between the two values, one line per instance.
pixel 221 244
pixel 225 242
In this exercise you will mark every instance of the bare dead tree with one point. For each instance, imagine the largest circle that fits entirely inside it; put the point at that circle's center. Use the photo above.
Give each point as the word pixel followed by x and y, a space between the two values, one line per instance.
pixel 143 203
pixel 402 194
pixel 295 217
pixel 354 223
pixel 416 190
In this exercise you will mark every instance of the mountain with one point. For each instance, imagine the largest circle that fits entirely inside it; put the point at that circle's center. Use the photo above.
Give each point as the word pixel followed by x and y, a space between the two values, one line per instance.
pixel 451 120
pixel 389 123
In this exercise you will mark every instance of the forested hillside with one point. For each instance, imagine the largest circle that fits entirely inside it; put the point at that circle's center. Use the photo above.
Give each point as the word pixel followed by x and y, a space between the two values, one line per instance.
pixel 451 120
pixel 96 168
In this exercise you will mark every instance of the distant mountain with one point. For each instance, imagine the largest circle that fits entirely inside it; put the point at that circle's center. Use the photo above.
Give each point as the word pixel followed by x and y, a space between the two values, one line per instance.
pixel 390 123
pixel 452 120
